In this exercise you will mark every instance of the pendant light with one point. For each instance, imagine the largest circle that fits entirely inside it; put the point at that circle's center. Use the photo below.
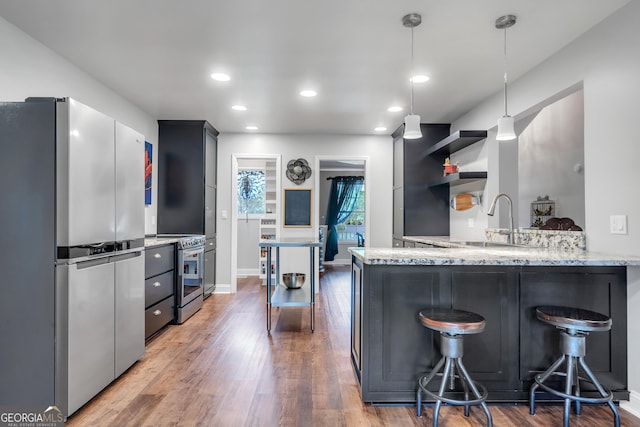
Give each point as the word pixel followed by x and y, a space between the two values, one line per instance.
pixel 412 121
pixel 505 123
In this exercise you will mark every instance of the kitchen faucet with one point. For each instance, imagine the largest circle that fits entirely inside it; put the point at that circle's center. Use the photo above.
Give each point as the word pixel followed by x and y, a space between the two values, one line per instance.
pixel 492 209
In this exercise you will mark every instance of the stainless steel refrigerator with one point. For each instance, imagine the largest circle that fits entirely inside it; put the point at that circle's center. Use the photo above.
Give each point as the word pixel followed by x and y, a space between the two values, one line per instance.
pixel 72 247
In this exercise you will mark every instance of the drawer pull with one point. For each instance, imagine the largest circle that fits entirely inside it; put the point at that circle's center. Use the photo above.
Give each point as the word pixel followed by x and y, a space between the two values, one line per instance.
pixel 158 256
pixel 157 284
pixel 157 313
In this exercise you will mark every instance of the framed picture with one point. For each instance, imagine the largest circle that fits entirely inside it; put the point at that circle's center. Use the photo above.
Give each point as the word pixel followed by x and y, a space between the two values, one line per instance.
pixel 148 169
pixel 297 207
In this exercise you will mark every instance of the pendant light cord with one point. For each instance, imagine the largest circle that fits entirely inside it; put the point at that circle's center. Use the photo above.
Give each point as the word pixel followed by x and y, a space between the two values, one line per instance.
pixel 505 72
pixel 411 70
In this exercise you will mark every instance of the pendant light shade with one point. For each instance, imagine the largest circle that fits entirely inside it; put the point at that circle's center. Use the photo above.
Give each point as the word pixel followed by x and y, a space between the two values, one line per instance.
pixel 412 121
pixel 412 127
pixel 506 130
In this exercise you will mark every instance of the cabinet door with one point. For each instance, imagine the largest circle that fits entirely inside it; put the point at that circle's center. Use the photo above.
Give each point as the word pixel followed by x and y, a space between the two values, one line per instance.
pixel 209 270
pixel 90 331
pixel 598 289
pixel 211 157
pixel 356 314
pixel 398 213
pixel 492 294
pixel 129 310
pixel 398 162
pixel 210 212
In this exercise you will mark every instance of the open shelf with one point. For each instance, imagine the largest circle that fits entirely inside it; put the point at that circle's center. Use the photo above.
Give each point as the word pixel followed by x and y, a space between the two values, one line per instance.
pixel 284 297
pixel 459 178
pixel 457 141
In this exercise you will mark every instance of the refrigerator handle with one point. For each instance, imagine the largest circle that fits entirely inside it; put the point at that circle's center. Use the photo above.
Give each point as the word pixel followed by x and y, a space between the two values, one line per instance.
pixel 91 263
pixel 116 258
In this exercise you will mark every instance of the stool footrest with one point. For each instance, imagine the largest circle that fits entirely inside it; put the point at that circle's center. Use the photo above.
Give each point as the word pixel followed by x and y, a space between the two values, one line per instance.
pixel 482 389
pixel 573 397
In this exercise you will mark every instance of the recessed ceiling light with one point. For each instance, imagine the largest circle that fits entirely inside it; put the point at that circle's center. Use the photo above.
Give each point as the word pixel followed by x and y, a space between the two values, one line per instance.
pixel 308 93
pixel 380 129
pixel 419 78
pixel 250 127
pixel 221 77
pixel 394 109
pixel 239 107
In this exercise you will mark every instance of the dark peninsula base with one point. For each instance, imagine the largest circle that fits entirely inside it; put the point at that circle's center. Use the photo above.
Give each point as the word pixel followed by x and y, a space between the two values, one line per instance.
pixel 390 348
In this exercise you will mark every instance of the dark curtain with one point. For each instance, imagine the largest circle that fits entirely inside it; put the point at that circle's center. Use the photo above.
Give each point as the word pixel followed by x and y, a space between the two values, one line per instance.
pixel 342 199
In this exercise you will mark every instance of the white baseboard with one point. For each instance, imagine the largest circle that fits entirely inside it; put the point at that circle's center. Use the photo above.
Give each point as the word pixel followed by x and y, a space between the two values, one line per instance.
pixel 244 272
pixel 222 288
pixel 346 261
pixel 633 405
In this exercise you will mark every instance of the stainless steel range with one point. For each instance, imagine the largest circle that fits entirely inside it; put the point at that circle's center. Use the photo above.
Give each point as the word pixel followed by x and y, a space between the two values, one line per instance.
pixel 190 280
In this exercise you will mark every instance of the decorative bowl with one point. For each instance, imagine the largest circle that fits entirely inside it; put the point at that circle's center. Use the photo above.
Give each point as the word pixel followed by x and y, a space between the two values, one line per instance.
pixel 293 280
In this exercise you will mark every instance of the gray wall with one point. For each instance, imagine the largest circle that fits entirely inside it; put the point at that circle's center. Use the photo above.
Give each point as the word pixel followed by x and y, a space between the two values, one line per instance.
pixel 549 149
pixel 28 68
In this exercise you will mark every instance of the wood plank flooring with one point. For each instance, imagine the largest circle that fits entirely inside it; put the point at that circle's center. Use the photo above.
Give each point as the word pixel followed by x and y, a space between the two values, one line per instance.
pixel 220 368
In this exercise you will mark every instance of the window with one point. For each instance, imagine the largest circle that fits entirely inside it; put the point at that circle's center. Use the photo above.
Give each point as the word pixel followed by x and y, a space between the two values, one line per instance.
pixel 251 191
pixel 354 224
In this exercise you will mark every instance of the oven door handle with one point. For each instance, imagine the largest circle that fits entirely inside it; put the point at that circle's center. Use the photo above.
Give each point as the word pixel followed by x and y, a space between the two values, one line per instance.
pixel 193 251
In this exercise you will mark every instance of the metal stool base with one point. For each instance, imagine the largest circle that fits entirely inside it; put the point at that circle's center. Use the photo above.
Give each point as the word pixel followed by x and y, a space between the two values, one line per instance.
pixel 452 364
pixel 572 387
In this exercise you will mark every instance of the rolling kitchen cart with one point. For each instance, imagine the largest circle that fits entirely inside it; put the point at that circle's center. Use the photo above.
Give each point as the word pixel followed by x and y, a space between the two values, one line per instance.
pixel 278 294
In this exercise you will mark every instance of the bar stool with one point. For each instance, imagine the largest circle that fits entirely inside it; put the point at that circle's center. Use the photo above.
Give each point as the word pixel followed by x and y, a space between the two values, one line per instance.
pixel 574 324
pixel 452 325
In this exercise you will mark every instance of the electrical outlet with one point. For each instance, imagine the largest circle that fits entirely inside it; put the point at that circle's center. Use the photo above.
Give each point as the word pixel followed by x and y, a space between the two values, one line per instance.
pixel 618 224
pixel 470 223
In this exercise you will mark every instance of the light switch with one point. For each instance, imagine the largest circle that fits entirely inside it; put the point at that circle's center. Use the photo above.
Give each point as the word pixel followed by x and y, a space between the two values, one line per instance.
pixel 618 224
pixel 153 220
pixel 223 214
pixel 470 222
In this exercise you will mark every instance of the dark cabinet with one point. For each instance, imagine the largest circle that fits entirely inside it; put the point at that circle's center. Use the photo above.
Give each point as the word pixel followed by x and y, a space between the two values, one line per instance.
pixel 417 209
pixel 187 157
pixel 390 349
pixel 159 294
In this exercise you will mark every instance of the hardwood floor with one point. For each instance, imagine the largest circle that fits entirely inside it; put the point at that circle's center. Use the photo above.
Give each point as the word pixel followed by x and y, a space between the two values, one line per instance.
pixel 220 368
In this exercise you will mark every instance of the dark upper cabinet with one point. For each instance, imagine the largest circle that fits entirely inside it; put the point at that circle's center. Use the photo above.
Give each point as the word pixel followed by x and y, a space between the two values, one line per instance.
pixel 187 156
pixel 417 209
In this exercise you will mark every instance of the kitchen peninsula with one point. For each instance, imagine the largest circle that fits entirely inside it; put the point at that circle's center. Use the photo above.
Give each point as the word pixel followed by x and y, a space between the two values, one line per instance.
pixel 391 349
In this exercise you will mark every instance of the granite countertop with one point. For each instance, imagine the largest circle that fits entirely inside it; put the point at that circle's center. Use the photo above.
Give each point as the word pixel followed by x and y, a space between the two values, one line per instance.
pixel 159 241
pixel 504 255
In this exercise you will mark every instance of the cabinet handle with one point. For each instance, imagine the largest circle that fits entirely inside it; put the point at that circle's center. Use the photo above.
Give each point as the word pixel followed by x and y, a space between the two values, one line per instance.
pixel 157 284
pixel 158 256
pixel 210 244
pixel 157 313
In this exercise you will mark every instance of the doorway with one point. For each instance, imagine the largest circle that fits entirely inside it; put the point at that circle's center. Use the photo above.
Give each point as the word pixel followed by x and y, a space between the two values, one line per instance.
pixel 255 195
pixel 356 227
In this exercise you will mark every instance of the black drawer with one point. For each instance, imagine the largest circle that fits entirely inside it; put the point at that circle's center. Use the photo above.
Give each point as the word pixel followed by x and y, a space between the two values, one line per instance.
pixel 159 259
pixel 158 288
pixel 158 315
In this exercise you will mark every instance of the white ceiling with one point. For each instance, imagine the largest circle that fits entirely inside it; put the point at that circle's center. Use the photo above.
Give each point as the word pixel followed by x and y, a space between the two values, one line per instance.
pixel 355 53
